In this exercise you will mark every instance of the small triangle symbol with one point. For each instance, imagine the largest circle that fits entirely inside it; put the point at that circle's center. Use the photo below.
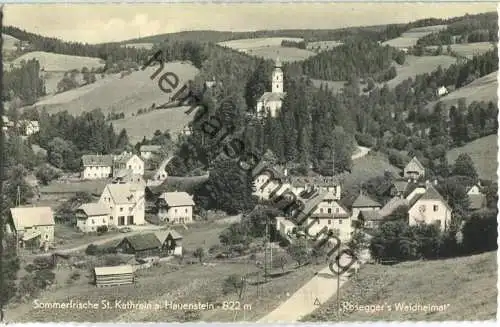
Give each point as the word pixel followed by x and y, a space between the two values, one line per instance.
pixel 316 302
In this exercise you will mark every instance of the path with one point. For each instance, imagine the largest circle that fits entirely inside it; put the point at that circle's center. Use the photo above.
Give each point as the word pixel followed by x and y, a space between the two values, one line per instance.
pixel 362 151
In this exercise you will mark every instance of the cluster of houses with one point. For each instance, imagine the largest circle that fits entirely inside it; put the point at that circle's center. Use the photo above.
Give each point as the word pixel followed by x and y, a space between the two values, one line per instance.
pixel 323 208
pixel 26 127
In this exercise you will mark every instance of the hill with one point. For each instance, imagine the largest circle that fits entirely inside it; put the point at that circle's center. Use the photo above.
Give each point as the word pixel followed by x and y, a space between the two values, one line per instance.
pixel 465 287
pixel 173 119
pixel 481 89
pixel 483 152
pixel 410 37
pixel 9 42
pixel 114 94
pixel 53 62
pixel 414 66
pixel 467 50
pixel 367 167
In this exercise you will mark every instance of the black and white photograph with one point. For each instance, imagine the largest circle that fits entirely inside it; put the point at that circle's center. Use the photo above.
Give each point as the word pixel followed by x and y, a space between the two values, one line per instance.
pixel 248 162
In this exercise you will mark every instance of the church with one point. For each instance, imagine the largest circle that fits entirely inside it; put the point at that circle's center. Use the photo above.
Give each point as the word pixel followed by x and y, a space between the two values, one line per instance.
pixel 270 102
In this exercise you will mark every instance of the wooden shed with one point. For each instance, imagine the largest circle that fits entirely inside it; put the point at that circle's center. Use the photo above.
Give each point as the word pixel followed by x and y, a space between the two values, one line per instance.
pixel 113 276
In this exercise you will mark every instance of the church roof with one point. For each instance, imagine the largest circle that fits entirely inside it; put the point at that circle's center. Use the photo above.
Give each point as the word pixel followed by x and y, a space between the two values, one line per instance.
pixel 277 63
pixel 272 96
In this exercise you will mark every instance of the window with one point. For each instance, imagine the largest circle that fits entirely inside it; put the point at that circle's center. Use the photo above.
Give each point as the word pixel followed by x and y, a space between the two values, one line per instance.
pixel 103 220
pixel 435 207
pixel 317 221
pixel 46 236
pixel 329 210
pixel 175 210
pixel 321 210
pixel 111 218
pixel 93 222
pixel 337 210
pixel 340 221
pixel 129 166
pixel 186 210
pixel 121 209
pixel 329 221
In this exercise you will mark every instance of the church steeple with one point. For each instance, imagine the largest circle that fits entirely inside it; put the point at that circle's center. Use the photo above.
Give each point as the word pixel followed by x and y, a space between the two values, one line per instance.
pixel 277 77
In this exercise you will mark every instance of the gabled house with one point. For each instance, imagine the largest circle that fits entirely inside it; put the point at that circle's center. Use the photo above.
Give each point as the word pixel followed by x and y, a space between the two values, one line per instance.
pixel 141 245
pixel 429 208
pixel 126 203
pixel 269 181
pixel 323 210
pixel 161 174
pixel 148 151
pixel 414 169
pixel 96 166
pixel 90 216
pixel 128 161
pixel 330 184
pixel 370 219
pixel 171 242
pixel 175 207
pixel 128 177
pixel 477 199
pixel 33 226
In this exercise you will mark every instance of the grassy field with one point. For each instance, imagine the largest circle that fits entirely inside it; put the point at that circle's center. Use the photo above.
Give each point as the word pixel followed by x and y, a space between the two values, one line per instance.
pixel 9 42
pixel 483 152
pixel 466 287
pixel 414 66
pixel 269 48
pixel 173 119
pixel 482 89
pixel 53 78
pixel 467 50
pixel 128 95
pixel 323 45
pixel 91 186
pixel 369 166
pixel 409 38
pixel 59 62
pixel 147 46
pixel 334 86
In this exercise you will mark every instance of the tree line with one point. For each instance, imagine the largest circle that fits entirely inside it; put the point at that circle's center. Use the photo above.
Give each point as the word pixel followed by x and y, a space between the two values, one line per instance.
pixel 24 82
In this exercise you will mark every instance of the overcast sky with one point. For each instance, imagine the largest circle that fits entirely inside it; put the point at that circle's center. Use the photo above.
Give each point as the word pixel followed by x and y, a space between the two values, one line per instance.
pixel 104 23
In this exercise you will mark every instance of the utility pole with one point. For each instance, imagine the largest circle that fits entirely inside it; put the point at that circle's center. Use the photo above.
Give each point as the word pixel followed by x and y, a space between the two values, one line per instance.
pixel 265 250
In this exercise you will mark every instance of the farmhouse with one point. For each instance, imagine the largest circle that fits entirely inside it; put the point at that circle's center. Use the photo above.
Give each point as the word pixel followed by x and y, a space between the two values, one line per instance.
pixel 175 207
pixel 370 219
pixel 141 245
pixel 148 151
pixel 171 242
pixel 89 216
pixel 96 166
pixel 363 203
pixel 113 276
pixel 128 161
pixel 126 203
pixel 33 226
pixel 414 169
pixel 323 211
pixel 270 102
pixel 429 208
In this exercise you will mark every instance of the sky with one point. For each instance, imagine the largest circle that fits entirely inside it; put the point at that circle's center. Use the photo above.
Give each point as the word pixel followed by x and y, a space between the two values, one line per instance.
pixel 96 23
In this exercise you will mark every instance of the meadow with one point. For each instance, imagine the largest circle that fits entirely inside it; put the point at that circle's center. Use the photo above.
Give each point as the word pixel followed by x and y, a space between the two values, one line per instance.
pixel 53 62
pixel 467 49
pixel 414 66
pixel 115 94
pixel 410 38
pixel 323 45
pixel 466 287
pixel 147 46
pixel 481 89
pixel 484 154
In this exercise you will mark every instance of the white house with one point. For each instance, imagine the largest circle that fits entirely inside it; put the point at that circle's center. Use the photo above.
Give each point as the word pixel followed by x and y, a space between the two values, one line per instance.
pixel 89 216
pixel 128 161
pixel 161 174
pixel 429 208
pixel 330 184
pixel 96 166
pixel 442 91
pixel 414 169
pixel 171 241
pixel 33 226
pixel 126 203
pixel 175 207
pixel 285 226
pixel 477 200
pixel 6 123
pixel 148 151
pixel 323 210
pixel 363 203
pixel 271 102
pixel 269 182
pixel 31 127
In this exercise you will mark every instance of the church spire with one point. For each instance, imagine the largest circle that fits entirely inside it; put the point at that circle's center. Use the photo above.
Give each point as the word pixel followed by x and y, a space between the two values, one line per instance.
pixel 277 63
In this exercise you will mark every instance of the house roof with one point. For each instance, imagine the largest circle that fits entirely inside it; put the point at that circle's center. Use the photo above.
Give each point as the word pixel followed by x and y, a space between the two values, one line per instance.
pixel 122 193
pixel 177 199
pixel 140 242
pixel 32 216
pixel 417 162
pixel 94 209
pixel 272 96
pixel 150 148
pixel 263 166
pixel 371 215
pixel 320 181
pixel 114 270
pixel 97 160
pixel 162 235
pixel 477 201
pixel 312 203
pixel 430 194
pixel 364 201
pixel 400 186
pixel 124 157
pixel 127 176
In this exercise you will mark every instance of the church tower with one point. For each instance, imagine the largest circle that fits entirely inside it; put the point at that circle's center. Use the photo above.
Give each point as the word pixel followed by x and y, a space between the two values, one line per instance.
pixel 277 78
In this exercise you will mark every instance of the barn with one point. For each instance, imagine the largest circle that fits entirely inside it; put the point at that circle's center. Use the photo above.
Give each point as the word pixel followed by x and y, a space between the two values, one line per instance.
pixel 141 245
pixel 113 276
